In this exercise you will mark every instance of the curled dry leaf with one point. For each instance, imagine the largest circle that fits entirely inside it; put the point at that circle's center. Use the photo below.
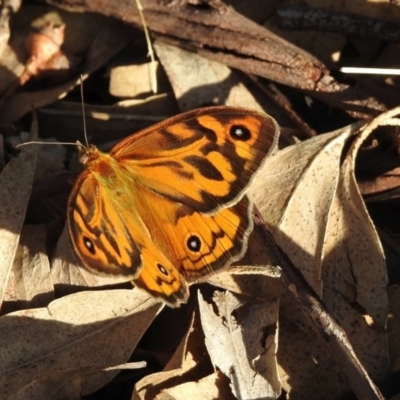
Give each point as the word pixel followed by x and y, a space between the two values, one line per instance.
pixel 85 329
pixel 241 339
pixel 15 188
pixel 316 213
pixel 189 363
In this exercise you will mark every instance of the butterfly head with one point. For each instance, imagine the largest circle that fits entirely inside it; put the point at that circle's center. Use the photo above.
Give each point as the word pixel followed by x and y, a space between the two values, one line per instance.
pixel 87 154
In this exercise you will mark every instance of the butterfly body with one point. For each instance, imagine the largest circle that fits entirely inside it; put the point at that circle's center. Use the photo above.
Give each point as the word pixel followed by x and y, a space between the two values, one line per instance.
pixel 167 205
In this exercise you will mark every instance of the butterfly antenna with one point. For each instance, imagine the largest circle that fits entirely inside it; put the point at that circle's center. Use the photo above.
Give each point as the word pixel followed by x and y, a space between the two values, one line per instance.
pixel 49 143
pixel 83 113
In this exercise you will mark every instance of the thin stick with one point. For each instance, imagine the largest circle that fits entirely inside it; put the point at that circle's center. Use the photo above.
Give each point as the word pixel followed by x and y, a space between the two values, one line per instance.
pixel 153 77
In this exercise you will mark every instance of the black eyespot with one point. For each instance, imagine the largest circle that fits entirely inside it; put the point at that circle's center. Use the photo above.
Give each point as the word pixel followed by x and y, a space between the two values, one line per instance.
pixel 89 245
pixel 162 269
pixel 193 243
pixel 240 132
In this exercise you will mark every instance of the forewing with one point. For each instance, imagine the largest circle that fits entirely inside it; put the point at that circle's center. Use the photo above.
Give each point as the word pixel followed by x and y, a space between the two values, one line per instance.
pixel 203 158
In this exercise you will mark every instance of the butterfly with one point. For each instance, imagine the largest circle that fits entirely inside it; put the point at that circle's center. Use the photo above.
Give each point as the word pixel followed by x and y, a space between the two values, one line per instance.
pixel 167 205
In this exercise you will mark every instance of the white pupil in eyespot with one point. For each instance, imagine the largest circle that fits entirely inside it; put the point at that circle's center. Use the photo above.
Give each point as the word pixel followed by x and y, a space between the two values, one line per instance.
pixel 194 243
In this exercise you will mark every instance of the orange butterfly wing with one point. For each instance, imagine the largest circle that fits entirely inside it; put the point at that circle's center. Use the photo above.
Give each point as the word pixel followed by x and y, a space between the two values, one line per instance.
pixel 204 158
pixel 197 244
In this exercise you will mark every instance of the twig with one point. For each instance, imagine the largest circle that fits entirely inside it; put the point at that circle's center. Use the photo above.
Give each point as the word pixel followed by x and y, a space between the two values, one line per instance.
pixel 153 76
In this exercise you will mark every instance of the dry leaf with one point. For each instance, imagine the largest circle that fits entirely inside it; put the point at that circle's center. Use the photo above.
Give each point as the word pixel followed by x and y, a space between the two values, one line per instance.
pixel 32 280
pixel 294 192
pixel 241 339
pixel 216 84
pixel 306 369
pixel 84 329
pixel 129 81
pixel 59 385
pixel 15 188
pixel 312 203
pixel 70 389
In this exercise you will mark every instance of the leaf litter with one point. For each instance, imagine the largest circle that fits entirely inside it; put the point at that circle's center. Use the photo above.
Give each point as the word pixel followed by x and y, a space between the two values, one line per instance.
pixel 249 342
